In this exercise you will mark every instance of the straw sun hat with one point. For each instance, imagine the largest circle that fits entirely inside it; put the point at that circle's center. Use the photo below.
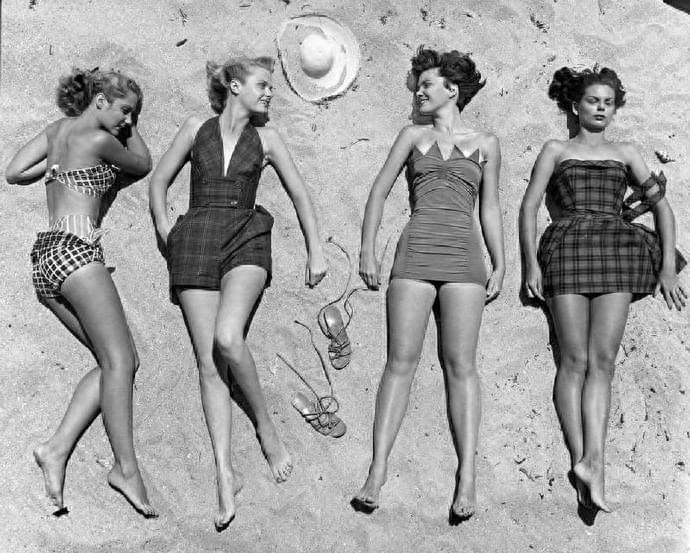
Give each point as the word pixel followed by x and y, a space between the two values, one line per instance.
pixel 320 57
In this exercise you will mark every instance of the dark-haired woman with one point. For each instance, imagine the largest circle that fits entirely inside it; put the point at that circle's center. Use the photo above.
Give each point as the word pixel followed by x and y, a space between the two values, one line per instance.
pixel 592 260
pixel 79 156
pixel 438 259
pixel 220 251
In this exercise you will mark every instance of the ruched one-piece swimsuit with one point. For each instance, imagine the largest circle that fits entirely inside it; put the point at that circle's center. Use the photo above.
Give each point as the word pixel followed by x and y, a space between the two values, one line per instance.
pixel 440 243
pixel 592 247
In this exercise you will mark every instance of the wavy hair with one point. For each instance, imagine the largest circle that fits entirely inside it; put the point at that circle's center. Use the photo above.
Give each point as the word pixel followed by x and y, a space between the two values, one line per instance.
pixel 455 67
pixel 76 91
pixel 219 76
pixel 568 86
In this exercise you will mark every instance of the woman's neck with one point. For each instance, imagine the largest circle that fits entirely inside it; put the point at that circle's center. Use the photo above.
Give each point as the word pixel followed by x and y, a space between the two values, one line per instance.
pixel 233 117
pixel 447 119
pixel 590 138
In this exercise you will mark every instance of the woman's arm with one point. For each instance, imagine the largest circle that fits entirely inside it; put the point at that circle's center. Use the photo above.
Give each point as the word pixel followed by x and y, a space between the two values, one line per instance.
pixel 368 267
pixel 167 169
pixel 29 163
pixel 490 215
pixel 665 225
pixel 279 157
pixel 539 179
pixel 133 159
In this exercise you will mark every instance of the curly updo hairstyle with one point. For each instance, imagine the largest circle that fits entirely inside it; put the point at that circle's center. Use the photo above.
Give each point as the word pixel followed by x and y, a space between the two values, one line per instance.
pixel 76 90
pixel 219 75
pixel 568 85
pixel 455 67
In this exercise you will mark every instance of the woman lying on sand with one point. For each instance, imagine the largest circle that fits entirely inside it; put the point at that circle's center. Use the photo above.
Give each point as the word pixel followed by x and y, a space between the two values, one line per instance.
pixel 438 259
pixel 82 153
pixel 592 260
pixel 220 251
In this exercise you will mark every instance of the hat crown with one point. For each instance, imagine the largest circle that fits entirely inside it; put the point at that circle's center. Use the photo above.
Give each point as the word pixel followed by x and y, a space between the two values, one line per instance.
pixel 320 57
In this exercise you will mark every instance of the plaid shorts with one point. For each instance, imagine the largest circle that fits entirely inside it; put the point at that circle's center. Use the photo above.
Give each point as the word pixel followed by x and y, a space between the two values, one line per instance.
pixel 56 255
pixel 206 243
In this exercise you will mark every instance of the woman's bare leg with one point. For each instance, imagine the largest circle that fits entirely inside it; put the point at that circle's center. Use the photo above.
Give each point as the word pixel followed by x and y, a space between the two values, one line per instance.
pixel 240 290
pixel 53 454
pixel 93 296
pixel 461 308
pixel 200 309
pixel 608 315
pixel 409 304
pixel 570 313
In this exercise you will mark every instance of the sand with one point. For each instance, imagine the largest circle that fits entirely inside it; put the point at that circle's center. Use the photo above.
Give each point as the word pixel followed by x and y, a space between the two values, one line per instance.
pixel 525 501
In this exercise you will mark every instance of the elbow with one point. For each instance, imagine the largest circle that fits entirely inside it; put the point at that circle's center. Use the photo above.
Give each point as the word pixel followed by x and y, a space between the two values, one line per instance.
pixel 12 175
pixel 145 168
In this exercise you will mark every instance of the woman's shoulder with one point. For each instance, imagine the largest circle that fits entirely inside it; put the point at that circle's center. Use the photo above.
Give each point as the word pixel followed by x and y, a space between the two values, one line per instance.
pixel 486 140
pixel 269 137
pixel 628 151
pixel 194 122
pixel 414 133
pixel 554 148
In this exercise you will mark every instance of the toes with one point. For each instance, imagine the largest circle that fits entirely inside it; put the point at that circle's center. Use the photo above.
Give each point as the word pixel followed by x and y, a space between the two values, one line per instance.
pixel 148 511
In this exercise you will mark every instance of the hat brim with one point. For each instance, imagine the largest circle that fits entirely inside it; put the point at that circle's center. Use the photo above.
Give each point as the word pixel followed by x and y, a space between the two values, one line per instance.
pixel 343 70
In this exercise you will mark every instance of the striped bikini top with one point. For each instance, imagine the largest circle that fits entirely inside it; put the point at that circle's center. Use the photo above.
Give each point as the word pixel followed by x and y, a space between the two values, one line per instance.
pixel 91 181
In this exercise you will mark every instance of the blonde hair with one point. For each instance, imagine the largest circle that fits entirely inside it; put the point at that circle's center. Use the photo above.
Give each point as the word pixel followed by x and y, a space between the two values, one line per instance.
pixel 219 76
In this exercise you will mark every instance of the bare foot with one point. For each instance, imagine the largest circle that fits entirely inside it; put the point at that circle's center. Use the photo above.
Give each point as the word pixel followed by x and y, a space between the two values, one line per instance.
pixel 581 489
pixel 53 467
pixel 464 504
pixel 277 456
pixel 367 499
pixel 229 484
pixel 132 487
pixel 592 476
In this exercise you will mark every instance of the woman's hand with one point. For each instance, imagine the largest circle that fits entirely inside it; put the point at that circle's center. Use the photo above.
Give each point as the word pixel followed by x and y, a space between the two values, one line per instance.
pixel 670 287
pixel 315 270
pixel 494 285
pixel 370 270
pixel 533 282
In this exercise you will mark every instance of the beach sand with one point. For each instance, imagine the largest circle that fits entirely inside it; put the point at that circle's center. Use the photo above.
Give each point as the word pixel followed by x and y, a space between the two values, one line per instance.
pixel 524 500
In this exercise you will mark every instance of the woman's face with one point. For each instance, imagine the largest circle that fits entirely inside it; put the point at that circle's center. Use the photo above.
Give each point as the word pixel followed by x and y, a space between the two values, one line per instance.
pixel 432 92
pixel 117 115
pixel 596 107
pixel 257 90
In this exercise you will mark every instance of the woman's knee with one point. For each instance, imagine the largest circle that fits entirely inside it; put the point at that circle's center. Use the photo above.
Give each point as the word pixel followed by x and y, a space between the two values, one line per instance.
pixel 460 366
pixel 401 366
pixel 120 361
pixel 208 370
pixel 230 344
pixel 574 361
pixel 602 362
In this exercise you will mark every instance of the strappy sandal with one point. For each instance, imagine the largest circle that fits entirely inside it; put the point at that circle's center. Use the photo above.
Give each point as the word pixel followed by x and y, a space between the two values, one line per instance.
pixel 320 413
pixel 331 322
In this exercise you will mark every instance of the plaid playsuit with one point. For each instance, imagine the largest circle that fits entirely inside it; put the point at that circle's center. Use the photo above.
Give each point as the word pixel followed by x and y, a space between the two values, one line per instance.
pixel 592 247
pixel 222 229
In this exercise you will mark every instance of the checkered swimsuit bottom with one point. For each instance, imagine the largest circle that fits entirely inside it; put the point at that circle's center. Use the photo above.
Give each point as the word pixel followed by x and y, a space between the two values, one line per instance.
pixel 71 243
